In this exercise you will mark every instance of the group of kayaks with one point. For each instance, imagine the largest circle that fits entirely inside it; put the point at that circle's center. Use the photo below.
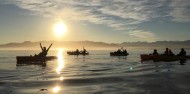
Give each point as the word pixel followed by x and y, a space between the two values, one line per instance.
pixel 119 52
pixel 145 57
pixel 167 56
pixel 38 60
pixel 77 52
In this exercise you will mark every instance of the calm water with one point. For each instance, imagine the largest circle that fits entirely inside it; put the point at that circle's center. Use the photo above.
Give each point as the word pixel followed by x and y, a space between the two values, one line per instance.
pixel 97 73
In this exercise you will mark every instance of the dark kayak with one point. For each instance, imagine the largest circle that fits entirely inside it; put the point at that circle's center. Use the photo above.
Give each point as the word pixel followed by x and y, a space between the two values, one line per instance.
pixel 118 54
pixel 77 53
pixel 32 59
pixel 145 57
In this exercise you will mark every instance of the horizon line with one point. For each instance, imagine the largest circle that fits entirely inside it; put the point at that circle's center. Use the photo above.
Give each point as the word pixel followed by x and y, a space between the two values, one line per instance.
pixel 94 41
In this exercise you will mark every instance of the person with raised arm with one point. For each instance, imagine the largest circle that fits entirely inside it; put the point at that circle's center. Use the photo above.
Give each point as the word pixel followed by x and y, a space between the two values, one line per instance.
pixel 44 52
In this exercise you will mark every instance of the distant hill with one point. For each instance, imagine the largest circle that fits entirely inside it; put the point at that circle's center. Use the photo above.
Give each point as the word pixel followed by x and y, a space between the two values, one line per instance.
pixel 94 45
pixel 185 44
pixel 58 44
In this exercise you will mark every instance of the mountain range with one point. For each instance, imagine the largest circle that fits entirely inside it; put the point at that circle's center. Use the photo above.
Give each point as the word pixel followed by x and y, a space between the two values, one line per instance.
pixel 95 45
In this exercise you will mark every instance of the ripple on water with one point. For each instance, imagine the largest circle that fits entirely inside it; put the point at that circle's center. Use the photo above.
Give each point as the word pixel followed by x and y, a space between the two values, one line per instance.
pixel 97 73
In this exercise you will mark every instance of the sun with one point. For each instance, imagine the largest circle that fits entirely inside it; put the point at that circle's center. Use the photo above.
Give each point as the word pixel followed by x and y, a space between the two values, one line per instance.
pixel 60 29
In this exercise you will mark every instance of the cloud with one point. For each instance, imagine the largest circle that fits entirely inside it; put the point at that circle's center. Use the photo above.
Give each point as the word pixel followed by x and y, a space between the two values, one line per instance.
pixel 118 14
pixel 143 35
pixel 180 10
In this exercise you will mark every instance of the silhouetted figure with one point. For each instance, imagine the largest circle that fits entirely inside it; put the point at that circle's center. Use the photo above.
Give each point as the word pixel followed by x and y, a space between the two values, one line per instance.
pixel 155 52
pixel 182 52
pixel 166 52
pixel 119 50
pixel 125 51
pixel 122 49
pixel 44 52
pixel 84 51
pixel 170 53
pixel 77 51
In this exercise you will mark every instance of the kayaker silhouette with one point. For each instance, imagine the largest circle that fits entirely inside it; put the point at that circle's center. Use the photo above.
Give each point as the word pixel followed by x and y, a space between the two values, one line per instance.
pixel 155 52
pixel 166 51
pixel 44 52
pixel 182 52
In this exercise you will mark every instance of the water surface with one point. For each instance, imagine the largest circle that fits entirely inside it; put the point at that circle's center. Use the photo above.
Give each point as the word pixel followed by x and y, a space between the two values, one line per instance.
pixel 97 73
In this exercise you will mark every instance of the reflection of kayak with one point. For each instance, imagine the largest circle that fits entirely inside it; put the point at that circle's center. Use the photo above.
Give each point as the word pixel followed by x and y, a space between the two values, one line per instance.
pixel 145 57
pixel 32 59
pixel 118 54
pixel 78 53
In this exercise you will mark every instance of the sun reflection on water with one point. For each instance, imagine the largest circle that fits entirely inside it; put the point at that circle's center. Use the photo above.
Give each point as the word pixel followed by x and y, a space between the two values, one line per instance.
pixel 56 89
pixel 60 65
pixel 61 78
pixel 59 68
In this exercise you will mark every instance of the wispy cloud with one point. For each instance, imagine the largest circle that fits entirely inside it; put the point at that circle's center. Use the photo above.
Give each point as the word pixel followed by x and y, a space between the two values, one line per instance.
pixel 180 10
pixel 143 35
pixel 118 14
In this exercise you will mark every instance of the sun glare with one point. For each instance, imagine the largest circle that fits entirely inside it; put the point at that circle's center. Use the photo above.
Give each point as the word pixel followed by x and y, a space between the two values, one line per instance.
pixel 56 89
pixel 60 65
pixel 60 29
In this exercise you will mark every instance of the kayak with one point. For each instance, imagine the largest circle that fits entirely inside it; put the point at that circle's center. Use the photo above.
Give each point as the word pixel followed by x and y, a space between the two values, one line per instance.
pixel 145 57
pixel 33 59
pixel 77 53
pixel 118 54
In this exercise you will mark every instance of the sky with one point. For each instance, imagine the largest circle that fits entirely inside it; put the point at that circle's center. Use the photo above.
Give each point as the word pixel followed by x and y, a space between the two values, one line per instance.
pixel 111 21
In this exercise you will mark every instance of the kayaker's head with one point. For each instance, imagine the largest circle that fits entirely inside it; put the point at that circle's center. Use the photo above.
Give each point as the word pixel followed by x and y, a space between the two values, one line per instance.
pixel 182 49
pixel 167 49
pixel 44 48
